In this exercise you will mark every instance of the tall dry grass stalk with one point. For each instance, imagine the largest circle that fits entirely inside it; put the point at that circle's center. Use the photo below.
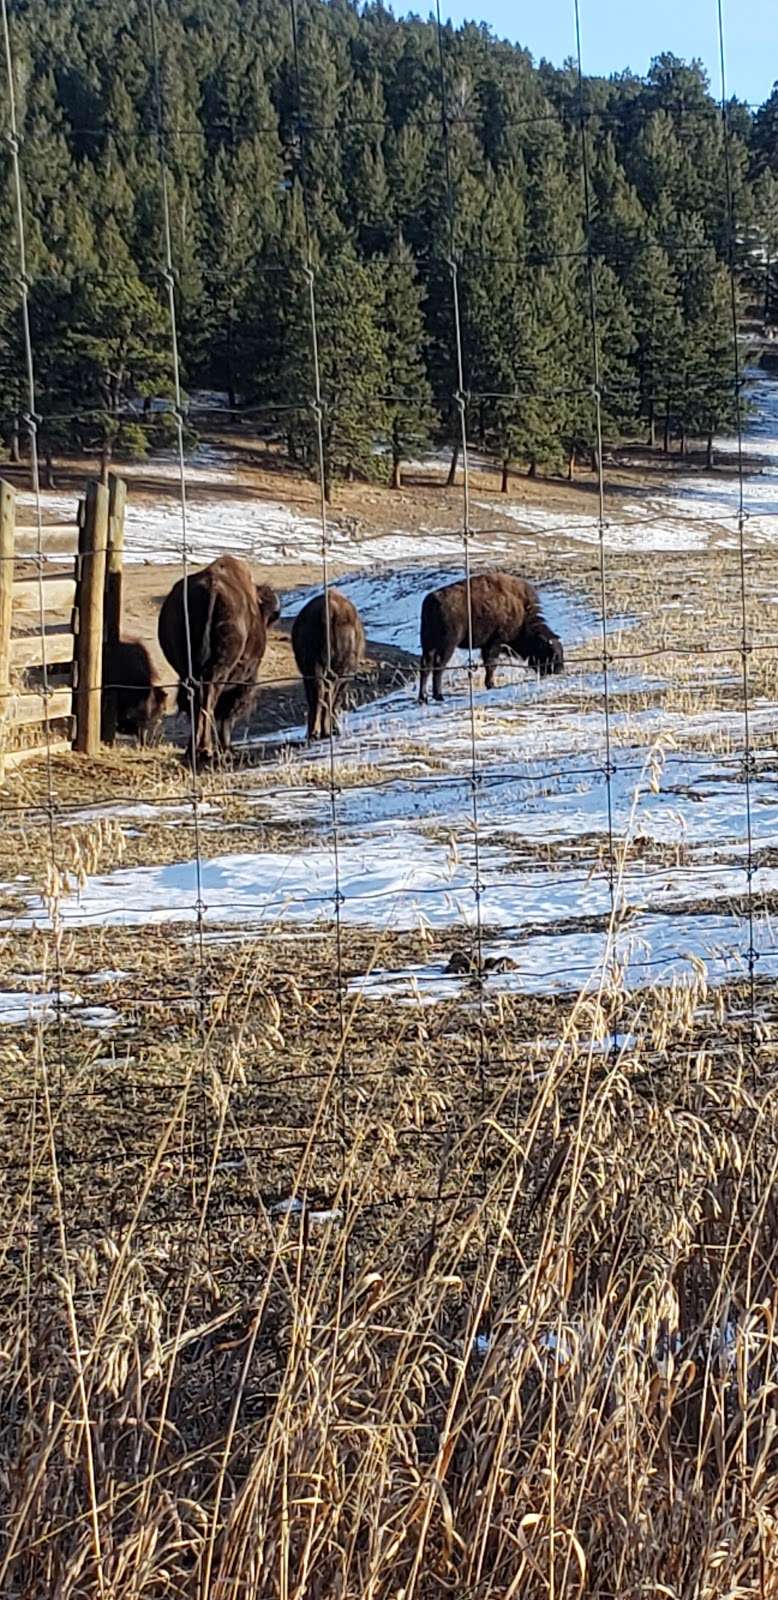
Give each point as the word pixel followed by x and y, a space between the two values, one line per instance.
pixel 555 1376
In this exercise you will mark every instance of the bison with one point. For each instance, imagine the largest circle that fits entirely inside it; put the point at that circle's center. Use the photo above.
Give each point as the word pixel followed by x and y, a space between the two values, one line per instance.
pixel 505 614
pixel 325 664
pixel 228 618
pixel 133 701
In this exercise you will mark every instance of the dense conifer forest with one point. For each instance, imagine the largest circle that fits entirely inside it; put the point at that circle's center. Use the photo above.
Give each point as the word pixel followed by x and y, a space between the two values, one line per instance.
pixel 341 157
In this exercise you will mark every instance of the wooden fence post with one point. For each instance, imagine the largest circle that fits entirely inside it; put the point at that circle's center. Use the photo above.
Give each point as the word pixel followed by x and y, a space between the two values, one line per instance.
pixel 7 521
pixel 90 596
pixel 114 580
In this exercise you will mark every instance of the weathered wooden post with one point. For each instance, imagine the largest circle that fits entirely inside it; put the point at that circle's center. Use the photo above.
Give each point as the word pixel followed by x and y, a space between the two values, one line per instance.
pixel 7 532
pixel 114 580
pixel 90 598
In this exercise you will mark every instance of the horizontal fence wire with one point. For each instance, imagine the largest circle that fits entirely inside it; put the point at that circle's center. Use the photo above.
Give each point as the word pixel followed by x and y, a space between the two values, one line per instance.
pixel 274 951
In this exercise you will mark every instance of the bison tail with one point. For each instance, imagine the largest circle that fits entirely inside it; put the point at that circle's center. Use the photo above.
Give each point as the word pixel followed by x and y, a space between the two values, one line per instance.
pixel 430 626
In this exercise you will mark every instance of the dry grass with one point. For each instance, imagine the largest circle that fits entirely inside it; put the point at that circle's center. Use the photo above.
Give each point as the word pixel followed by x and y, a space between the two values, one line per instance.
pixel 532 1353
pixel 518 1340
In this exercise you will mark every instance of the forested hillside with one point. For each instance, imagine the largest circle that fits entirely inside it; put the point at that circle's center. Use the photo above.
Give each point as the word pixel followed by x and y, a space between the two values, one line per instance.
pixel 343 162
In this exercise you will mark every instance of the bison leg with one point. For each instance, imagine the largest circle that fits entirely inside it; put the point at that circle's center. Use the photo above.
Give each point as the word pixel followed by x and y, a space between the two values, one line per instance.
pixel 206 724
pixel 438 663
pixel 423 677
pixel 224 736
pixel 332 690
pixel 431 664
pixel 312 688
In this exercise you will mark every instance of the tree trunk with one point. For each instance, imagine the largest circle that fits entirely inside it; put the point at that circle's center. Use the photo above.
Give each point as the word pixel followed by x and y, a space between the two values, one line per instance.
pixel 452 471
pixel 49 472
pixel 16 454
pixel 652 430
pixel 230 363
pixel 397 473
pixel 571 467
pixel 349 473
pixel 327 483
pixel 504 483
pixel 666 444
pixel 232 398
pixel 291 446
pixel 595 460
pixel 682 443
pixel 105 460
pixel 709 451
pixel 532 470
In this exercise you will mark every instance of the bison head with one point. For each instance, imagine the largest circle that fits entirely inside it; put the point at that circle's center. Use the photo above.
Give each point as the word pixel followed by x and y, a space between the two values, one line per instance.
pixel 269 603
pixel 541 648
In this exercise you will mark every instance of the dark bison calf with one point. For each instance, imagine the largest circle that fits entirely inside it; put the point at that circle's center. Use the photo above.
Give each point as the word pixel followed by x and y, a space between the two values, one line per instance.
pixel 506 615
pixel 325 682
pixel 228 618
pixel 133 701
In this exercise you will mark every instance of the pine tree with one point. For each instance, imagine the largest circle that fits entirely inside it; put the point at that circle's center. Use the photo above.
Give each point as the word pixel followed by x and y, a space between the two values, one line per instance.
pixel 116 347
pixel 351 350
pixel 409 402
pixel 241 213
pixel 656 308
pixel 353 364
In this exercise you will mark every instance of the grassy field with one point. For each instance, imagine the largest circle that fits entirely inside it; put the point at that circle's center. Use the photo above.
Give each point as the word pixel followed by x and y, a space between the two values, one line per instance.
pixel 366 1238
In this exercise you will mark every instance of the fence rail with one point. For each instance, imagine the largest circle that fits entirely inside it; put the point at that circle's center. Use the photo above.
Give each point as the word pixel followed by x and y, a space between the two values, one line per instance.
pixel 61 620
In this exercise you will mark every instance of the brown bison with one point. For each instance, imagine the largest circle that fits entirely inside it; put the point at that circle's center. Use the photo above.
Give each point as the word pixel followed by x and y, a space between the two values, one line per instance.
pixel 228 618
pixel 133 700
pixel 325 665
pixel 505 614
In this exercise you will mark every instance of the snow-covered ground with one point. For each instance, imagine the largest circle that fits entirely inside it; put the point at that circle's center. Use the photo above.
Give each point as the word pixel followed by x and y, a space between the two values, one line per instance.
pixel 696 511
pixel 507 817
pixel 410 819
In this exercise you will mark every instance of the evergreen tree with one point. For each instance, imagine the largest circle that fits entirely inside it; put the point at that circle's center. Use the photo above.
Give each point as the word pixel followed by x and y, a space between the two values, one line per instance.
pixel 658 325
pixel 409 396
pixel 365 144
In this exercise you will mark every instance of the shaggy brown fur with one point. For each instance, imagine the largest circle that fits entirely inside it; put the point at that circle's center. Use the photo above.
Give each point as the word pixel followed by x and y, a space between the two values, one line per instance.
pixel 324 688
pixel 130 679
pixel 505 614
pixel 229 616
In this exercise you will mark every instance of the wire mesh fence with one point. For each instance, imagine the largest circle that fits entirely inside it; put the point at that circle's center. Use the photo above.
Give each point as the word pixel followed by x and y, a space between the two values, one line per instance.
pixel 389 1124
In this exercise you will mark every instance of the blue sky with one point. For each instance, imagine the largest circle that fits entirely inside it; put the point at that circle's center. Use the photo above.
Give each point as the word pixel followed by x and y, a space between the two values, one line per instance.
pixel 627 33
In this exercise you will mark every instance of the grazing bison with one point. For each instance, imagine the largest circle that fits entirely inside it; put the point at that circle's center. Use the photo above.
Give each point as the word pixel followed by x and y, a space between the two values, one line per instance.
pixel 506 615
pixel 133 700
pixel 325 680
pixel 228 616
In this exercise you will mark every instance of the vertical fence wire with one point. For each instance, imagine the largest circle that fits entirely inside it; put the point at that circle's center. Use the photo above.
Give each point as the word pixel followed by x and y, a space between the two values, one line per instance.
pixel 745 645
pixel 55 1129
pixel 316 405
pixel 597 401
pixel 460 403
pixel 30 420
pixel 194 698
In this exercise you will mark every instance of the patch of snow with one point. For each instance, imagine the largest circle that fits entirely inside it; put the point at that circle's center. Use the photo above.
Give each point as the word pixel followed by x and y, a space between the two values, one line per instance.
pixel 294 1207
pixel 696 510
pixel 652 950
pixel 24 1010
pixel 208 400
pixel 402 880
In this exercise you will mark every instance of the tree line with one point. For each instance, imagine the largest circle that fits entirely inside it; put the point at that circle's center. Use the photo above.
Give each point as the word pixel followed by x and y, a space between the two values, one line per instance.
pixel 429 206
